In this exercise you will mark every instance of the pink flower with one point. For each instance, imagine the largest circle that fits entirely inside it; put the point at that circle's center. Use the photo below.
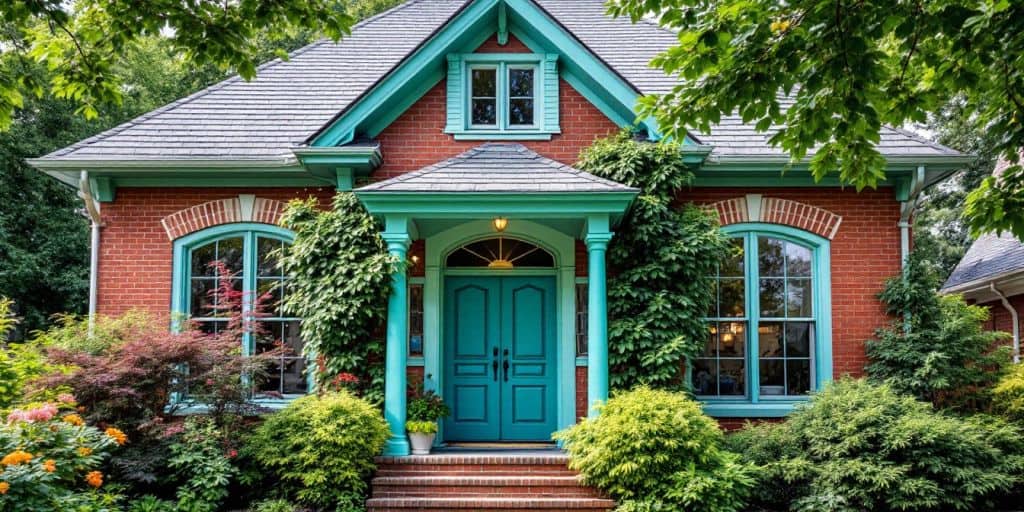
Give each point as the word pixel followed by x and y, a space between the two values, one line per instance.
pixel 66 398
pixel 232 454
pixel 209 382
pixel 45 412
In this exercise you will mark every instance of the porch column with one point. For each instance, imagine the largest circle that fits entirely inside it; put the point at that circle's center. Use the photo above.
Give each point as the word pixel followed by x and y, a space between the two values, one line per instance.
pixel 597 238
pixel 397 237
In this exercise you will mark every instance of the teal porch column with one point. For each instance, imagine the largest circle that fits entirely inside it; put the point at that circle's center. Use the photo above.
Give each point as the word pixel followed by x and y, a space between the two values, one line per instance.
pixel 597 238
pixel 397 237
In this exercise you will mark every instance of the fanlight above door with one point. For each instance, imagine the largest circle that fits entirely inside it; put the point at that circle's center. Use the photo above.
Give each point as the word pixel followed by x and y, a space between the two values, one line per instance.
pixel 500 253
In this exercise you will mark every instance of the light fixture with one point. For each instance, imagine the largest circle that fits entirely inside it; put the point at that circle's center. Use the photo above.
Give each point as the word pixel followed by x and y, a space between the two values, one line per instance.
pixel 500 223
pixel 415 259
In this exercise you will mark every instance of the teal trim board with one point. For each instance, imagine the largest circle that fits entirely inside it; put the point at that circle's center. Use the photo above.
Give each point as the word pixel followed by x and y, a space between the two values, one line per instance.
pixel 501 372
pixel 755 402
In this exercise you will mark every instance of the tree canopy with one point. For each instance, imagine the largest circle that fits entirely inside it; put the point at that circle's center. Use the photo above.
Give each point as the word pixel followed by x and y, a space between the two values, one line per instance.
pixel 848 68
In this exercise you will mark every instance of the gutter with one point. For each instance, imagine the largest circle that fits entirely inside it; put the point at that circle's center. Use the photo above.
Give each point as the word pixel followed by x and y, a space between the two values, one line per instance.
pixel 1014 316
pixel 93 211
pixel 917 182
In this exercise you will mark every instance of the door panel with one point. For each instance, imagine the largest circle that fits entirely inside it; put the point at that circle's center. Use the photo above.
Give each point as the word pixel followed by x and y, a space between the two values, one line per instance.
pixel 472 388
pixel 509 321
pixel 529 411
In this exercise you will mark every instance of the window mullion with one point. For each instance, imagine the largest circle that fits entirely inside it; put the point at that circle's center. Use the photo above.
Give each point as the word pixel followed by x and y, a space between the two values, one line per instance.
pixel 249 265
pixel 502 98
pixel 753 314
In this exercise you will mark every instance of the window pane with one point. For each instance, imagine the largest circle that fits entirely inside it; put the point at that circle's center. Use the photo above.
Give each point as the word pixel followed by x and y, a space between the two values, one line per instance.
pixel 520 112
pixel 770 259
pixel 269 293
pixel 798 339
pixel 713 306
pixel 732 298
pixel 773 378
pixel 582 322
pixel 293 376
pixel 769 334
pixel 291 336
pixel 229 251
pixel 798 377
pixel 201 298
pixel 798 298
pixel 705 377
pixel 733 264
pixel 202 257
pixel 485 112
pixel 485 83
pixel 732 339
pixel 798 261
pixel 520 83
pixel 416 319
pixel 732 377
pixel 268 264
pixel 772 302
pixel 711 345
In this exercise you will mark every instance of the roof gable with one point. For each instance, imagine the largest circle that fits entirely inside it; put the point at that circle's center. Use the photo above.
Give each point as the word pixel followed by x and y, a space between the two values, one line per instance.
pixel 381 104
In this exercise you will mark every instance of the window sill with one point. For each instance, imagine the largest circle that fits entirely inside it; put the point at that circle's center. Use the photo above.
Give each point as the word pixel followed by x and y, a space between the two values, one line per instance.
pixel 500 134
pixel 772 409
pixel 263 404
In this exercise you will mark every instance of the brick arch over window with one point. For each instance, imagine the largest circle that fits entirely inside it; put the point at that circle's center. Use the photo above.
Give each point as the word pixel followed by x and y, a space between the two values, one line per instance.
pixel 244 208
pixel 773 210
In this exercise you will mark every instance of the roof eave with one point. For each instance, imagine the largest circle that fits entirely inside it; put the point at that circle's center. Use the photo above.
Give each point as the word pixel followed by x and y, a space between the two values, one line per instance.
pixel 1010 282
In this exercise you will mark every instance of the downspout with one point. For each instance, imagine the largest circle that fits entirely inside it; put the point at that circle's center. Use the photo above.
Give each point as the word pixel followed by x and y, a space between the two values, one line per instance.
pixel 906 212
pixel 1014 317
pixel 93 212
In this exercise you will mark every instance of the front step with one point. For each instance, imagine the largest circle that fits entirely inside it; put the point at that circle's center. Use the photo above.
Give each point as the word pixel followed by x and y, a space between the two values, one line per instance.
pixel 491 481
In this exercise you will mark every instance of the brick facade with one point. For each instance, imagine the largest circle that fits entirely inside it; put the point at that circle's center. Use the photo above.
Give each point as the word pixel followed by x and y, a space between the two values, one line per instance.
pixel 1000 319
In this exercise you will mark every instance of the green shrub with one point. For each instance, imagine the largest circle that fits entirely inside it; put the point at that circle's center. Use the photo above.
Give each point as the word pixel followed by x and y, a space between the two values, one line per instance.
pixel 273 506
pixel 321 448
pixel 151 503
pixel 1008 395
pixel 201 461
pixel 947 357
pixel 656 450
pixel 860 446
pixel 425 405
pixel 421 427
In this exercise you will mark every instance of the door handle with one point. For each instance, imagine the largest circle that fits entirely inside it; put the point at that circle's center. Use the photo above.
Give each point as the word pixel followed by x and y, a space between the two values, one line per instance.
pixel 504 364
pixel 494 364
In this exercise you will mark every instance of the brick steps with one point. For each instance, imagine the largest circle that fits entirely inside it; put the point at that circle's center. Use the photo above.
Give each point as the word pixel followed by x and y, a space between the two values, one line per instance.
pixel 485 482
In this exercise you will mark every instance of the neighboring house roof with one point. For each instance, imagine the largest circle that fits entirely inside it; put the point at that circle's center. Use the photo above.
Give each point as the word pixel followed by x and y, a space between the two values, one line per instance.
pixel 497 167
pixel 290 100
pixel 990 259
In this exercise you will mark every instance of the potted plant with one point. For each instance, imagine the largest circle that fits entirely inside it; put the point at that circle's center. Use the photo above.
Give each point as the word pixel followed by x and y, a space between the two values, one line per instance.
pixel 425 408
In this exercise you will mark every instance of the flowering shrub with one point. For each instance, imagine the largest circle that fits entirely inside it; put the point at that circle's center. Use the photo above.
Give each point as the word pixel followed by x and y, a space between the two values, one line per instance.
pixel 425 405
pixel 51 461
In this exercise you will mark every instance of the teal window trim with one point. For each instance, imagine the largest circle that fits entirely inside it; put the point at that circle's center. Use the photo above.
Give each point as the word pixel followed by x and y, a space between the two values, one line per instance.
pixel 545 96
pixel 753 405
pixel 181 288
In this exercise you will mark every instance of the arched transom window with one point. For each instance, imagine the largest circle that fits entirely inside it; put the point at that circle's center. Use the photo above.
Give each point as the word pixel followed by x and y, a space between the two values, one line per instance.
pixel 500 252
pixel 250 255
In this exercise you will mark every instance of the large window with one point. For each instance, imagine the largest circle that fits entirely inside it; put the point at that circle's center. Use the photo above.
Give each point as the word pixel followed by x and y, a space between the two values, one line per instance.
pixel 768 339
pixel 249 253
pixel 502 96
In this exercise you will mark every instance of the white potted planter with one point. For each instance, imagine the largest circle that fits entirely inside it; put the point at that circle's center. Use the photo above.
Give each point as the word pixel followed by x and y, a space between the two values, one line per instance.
pixel 421 436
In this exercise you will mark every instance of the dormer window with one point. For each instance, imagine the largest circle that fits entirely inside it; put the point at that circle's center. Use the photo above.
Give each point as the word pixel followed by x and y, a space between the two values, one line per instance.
pixel 499 96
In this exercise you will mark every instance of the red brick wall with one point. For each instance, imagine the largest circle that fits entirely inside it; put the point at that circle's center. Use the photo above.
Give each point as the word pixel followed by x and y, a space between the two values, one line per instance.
pixel 865 251
pixel 135 252
pixel 1000 319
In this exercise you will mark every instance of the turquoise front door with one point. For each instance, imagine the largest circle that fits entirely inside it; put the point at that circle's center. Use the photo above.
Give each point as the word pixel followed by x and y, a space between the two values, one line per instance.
pixel 500 368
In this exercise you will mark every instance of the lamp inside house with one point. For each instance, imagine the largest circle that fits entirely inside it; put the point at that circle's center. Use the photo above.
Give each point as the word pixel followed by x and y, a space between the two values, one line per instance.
pixel 500 223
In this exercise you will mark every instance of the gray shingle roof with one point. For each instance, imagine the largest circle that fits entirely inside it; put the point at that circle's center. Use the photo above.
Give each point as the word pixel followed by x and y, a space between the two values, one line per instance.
pixel 989 256
pixel 289 101
pixel 497 167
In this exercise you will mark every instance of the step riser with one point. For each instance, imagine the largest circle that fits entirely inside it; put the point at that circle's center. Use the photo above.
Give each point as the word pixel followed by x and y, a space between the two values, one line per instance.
pixel 477 469
pixel 427 509
pixel 467 491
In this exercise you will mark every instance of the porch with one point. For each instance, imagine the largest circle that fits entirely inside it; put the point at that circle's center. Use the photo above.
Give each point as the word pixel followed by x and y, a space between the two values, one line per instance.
pixel 500 226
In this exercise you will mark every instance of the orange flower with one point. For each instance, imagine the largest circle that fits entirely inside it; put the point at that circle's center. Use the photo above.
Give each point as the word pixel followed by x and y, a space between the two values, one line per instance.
pixel 16 457
pixel 94 478
pixel 84 451
pixel 50 465
pixel 117 435
pixel 4 487
pixel 74 419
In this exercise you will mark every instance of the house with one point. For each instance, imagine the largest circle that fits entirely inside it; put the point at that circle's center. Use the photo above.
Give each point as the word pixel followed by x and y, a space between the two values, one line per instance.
pixel 991 274
pixel 457 123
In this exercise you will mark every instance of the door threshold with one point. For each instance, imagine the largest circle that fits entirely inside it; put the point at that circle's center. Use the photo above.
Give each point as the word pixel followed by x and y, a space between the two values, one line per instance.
pixel 455 445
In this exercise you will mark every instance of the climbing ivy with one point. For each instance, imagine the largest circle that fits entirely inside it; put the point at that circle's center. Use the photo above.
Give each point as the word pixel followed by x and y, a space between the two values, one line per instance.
pixel 661 258
pixel 340 286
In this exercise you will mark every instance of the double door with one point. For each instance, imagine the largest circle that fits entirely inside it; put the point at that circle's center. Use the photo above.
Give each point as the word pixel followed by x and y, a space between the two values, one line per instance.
pixel 499 351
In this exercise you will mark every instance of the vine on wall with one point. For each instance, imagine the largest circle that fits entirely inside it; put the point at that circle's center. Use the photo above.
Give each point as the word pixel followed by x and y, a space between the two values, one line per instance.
pixel 662 255
pixel 341 280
